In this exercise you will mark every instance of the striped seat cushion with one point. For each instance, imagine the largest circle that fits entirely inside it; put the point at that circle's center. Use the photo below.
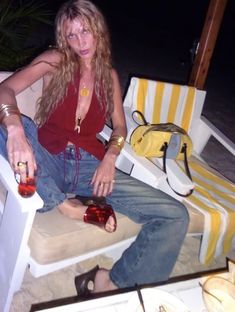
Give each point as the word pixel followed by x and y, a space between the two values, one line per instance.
pixel 214 196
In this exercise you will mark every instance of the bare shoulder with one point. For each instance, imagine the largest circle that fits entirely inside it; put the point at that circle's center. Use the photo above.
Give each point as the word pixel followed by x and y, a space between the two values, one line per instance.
pixel 50 59
pixel 117 93
pixel 43 66
pixel 114 75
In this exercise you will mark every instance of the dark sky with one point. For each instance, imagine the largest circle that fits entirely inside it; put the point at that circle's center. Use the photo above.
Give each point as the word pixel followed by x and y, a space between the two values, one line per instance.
pixel 182 15
pixel 166 24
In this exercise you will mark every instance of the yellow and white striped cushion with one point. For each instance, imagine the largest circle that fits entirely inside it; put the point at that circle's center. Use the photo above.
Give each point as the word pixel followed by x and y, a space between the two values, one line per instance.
pixel 162 102
pixel 214 196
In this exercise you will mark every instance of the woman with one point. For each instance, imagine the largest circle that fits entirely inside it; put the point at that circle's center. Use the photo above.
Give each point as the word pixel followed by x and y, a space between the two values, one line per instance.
pixel 80 92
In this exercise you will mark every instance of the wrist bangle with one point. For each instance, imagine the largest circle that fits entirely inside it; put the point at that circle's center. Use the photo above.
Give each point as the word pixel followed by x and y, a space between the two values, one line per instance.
pixel 117 141
pixel 8 110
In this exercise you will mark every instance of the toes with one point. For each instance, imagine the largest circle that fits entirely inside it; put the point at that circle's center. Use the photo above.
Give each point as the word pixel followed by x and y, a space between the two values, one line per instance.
pixel 110 225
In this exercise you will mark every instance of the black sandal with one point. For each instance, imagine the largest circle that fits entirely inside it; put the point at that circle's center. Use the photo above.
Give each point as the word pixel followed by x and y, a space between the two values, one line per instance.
pixel 82 282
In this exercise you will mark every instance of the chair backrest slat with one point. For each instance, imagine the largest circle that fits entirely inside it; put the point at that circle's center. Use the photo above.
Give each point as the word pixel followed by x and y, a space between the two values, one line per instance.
pixel 162 102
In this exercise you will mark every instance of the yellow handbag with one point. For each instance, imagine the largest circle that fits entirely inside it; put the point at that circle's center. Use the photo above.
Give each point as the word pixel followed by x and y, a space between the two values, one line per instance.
pixel 165 140
pixel 151 140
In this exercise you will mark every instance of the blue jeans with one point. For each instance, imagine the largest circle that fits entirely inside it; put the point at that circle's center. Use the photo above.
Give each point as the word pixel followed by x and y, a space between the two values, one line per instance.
pixel 151 257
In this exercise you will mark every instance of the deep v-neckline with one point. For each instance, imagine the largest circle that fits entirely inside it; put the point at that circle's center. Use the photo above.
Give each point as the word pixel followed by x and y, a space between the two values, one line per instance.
pixel 82 103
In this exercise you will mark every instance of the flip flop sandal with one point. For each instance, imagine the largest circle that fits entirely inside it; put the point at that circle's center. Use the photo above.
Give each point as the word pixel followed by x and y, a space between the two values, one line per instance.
pixel 84 283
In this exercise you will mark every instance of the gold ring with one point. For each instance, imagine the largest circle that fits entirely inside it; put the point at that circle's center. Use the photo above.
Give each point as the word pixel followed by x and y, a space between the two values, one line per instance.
pixel 22 163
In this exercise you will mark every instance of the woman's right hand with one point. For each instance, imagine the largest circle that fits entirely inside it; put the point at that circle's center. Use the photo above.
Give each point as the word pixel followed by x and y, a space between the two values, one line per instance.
pixel 20 153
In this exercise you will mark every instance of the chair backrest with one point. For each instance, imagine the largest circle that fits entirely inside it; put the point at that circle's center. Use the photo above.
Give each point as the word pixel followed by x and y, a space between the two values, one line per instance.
pixel 26 100
pixel 162 102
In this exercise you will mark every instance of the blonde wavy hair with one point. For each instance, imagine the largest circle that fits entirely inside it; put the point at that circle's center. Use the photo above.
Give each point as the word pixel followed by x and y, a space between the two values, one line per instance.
pixel 70 63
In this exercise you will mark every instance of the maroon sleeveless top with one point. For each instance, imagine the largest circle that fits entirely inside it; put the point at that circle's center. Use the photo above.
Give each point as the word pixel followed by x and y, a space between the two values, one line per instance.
pixel 58 130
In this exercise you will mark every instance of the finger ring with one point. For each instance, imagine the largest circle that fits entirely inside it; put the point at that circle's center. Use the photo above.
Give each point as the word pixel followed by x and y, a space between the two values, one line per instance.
pixel 101 184
pixel 22 163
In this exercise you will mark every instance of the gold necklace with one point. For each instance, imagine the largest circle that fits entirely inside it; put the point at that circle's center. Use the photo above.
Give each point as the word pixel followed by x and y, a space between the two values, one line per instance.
pixel 84 91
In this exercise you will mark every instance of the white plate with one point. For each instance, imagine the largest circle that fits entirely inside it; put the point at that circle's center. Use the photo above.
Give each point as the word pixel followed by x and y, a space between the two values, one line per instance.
pixel 154 299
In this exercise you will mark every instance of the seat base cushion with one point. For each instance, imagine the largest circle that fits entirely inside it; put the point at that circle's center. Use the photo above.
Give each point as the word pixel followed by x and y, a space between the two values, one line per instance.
pixel 55 237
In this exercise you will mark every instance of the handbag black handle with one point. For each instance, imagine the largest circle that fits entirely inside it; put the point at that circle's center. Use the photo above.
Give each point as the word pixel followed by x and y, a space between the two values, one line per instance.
pixel 142 117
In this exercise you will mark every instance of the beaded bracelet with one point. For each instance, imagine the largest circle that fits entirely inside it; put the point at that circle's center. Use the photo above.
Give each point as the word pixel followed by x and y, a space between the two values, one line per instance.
pixel 8 110
pixel 116 140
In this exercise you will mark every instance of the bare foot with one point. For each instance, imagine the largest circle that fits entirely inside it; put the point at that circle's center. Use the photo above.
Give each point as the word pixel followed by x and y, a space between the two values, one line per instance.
pixel 103 281
pixel 74 209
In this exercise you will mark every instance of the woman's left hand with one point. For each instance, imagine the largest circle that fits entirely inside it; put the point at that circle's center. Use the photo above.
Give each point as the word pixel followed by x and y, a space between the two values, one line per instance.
pixel 103 178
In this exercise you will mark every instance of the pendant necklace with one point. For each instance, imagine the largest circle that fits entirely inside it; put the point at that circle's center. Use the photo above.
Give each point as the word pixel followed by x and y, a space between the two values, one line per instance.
pixel 84 92
pixel 78 128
